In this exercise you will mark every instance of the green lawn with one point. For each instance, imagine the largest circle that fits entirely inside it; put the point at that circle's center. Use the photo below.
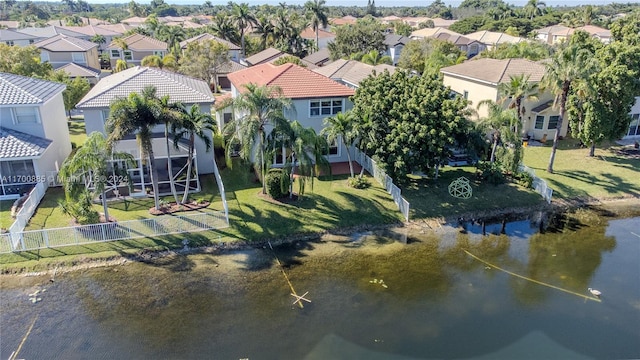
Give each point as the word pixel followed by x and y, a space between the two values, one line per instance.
pixel 77 132
pixel 431 198
pixel 607 175
pixel 5 213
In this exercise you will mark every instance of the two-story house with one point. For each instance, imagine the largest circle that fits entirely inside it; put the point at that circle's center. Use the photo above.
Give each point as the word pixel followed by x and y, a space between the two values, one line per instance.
pixel 180 88
pixel 351 72
pixel 137 47
pixel 61 50
pixel 34 137
pixel 16 38
pixel 469 46
pixel 478 80
pixel 394 45
pixel 314 97
pixel 234 50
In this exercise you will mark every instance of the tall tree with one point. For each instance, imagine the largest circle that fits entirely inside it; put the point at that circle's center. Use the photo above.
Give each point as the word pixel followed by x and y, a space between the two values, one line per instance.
pixel 76 89
pixel 93 162
pixel 265 29
pixel 194 123
pixel 223 26
pixel 340 127
pixel 256 108
pixel 137 114
pixel 534 8
pixel 243 19
pixel 499 123
pixel 365 35
pixel 317 12
pixel 517 90
pixel 172 35
pixel 205 60
pixel 569 64
pixel 413 121
pixel 23 61
pixel 304 152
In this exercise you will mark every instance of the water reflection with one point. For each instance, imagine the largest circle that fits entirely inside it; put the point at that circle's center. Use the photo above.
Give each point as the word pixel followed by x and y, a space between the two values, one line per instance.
pixel 437 302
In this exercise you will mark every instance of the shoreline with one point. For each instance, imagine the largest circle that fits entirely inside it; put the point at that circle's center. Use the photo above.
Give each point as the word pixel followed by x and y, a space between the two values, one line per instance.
pixel 613 205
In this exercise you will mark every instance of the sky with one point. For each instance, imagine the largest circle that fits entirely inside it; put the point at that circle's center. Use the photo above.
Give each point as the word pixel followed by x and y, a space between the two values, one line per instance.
pixel 385 3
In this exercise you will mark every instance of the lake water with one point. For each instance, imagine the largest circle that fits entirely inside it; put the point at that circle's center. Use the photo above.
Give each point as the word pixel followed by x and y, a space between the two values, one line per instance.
pixel 389 295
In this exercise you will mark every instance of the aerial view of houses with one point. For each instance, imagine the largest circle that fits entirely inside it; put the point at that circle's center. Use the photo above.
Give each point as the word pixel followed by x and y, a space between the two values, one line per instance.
pixel 398 175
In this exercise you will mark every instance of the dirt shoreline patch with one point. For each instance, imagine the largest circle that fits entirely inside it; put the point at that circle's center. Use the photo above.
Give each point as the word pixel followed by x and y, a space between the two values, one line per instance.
pixel 616 206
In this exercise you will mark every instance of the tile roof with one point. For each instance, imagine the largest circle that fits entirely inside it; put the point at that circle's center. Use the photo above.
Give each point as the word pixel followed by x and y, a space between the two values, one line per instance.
pixel 295 81
pixel 496 71
pixel 75 70
pixel 10 35
pixel 119 28
pixel 207 36
pixel 456 39
pixel 179 87
pixel 141 43
pixel 555 30
pixel 268 54
pixel 595 30
pixel 64 43
pixel 345 20
pixel 16 144
pixel 494 38
pixel 49 31
pixel 319 57
pixel 92 30
pixel 232 66
pixel 22 90
pixel 432 32
pixel 10 24
pixel 393 40
pixel 309 33
pixel 352 71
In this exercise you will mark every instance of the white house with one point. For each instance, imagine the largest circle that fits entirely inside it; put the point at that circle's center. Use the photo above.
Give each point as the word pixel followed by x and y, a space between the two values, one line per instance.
pixel 394 45
pixel 180 88
pixel 34 137
pixel 314 97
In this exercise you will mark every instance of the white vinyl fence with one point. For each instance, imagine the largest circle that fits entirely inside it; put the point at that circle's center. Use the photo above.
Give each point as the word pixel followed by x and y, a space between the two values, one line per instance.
pixel 28 208
pixel 539 185
pixel 86 234
pixel 385 180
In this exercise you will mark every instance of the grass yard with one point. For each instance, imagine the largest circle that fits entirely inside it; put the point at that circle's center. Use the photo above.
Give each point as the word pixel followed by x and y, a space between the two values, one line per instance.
pixel 5 213
pixel 77 133
pixel 431 198
pixel 576 175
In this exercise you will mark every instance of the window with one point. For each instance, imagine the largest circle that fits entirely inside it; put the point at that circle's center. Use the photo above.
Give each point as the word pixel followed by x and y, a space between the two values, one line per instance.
pixel 634 126
pixel 115 53
pixel 9 42
pixel 158 53
pixel 226 118
pixel 78 57
pixel 553 122
pixel 25 115
pixel 333 147
pixel 104 114
pixel 539 122
pixel 31 41
pixel 128 55
pixel 325 107
pixel 44 56
pixel 465 95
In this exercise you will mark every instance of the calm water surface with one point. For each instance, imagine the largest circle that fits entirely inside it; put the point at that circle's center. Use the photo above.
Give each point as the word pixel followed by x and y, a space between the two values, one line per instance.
pixel 438 301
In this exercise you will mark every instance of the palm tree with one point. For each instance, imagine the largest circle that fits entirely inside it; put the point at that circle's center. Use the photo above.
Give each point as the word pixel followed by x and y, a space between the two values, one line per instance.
pixel 518 89
pixel 172 35
pixel 152 61
pixel 304 147
pixel 194 123
pixel 243 19
pixel 264 28
pixel 317 11
pixel 170 114
pixel 340 126
pixel 139 114
pixel 534 8
pixel 121 65
pixel 569 64
pixel 222 26
pixel 257 107
pixel 91 161
pixel 374 58
pixel 499 122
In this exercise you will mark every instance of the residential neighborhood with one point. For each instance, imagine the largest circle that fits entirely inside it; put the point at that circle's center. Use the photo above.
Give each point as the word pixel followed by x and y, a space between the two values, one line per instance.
pixel 173 173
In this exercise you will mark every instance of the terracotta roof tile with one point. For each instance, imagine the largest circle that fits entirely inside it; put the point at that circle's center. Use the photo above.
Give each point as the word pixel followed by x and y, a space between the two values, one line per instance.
pixel 296 82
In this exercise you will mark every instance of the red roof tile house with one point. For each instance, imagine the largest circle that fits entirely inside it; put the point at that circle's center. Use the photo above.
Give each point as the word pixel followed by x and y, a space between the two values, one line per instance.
pixel 314 96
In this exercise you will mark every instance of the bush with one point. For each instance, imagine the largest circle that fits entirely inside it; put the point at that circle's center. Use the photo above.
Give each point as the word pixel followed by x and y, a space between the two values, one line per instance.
pixel 358 182
pixel 81 209
pixel 277 182
pixel 523 179
pixel 491 173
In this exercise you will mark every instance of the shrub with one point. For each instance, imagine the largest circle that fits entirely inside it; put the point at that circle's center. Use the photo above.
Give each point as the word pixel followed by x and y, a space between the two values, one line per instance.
pixel 358 182
pixel 277 182
pixel 491 173
pixel 523 179
pixel 81 209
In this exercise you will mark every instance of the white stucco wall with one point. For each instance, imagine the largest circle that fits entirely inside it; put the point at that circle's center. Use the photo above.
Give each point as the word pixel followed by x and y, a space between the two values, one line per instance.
pixel 54 122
